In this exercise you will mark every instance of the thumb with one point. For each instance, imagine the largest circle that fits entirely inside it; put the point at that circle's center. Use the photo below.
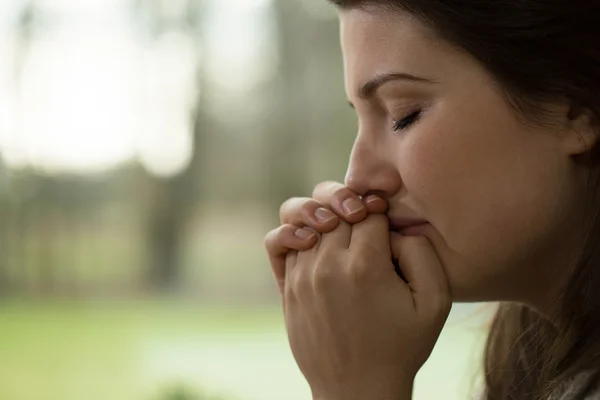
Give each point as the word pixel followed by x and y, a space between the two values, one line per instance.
pixel 423 272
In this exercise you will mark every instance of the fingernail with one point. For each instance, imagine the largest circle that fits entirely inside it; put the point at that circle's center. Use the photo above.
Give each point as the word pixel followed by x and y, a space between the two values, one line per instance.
pixel 352 205
pixel 324 215
pixel 372 199
pixel 304 234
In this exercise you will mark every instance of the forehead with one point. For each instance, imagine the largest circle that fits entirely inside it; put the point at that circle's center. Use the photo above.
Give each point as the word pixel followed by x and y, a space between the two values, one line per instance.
pixel 376 41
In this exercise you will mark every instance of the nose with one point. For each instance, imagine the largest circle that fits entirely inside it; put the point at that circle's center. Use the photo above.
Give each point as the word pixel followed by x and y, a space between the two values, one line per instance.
pixel 372 169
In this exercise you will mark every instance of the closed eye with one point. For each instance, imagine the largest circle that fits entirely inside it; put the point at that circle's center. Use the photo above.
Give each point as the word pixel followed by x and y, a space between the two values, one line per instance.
pixel 405 123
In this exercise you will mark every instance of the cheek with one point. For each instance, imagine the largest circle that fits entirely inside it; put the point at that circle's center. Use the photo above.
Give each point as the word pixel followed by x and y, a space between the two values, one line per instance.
pixel 490 194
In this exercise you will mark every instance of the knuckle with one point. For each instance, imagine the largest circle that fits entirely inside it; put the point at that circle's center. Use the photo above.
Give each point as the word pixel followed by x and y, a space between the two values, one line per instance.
pixel 279 237
pixel 270 238
pixel 322 185
pixel 359 270
pixel 284 231
pixel 308 208
pixel 283 209
pixel 300 282
pixel 326 189
pixel 367 251
pixel 342 193
pixel 297 210
pixel 323 277
pixel 286 206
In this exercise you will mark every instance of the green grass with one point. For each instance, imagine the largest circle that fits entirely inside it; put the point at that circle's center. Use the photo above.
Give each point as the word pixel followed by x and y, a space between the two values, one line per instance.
pixel 137 350
pixel 98 351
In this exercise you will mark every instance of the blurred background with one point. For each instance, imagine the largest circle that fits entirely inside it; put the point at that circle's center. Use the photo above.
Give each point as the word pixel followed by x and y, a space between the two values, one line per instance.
pixel 145 148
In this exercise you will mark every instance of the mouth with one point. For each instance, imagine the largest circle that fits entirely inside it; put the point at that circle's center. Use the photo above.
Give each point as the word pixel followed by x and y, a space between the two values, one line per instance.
pixel 408 226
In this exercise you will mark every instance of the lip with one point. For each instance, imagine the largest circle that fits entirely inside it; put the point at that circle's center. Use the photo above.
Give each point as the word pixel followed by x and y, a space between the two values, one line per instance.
pixel 408 226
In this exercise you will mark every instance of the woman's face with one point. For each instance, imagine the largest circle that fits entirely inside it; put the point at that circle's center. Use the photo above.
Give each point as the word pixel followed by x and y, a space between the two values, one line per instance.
pixel 438 139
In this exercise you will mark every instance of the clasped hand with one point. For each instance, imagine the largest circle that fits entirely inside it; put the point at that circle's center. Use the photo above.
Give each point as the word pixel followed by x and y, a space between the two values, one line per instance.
pixel 356 329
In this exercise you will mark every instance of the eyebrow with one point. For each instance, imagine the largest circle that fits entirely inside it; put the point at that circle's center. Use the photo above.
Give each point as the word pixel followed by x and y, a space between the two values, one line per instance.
pixel 369 89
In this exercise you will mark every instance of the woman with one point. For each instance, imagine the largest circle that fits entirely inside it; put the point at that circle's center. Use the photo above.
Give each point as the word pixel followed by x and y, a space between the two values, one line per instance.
pixel 476 167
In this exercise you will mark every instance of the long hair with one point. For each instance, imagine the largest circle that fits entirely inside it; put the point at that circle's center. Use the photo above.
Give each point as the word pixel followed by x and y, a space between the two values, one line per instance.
pixel 537 51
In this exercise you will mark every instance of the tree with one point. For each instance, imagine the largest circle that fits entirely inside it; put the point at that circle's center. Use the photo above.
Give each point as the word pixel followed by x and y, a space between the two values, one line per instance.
pixel 172 200
pixel 288 146
pixel 313 135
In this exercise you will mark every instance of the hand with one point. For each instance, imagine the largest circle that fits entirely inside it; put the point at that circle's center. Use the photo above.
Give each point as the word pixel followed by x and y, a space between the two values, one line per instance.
pixel 331 202
pixel 356 329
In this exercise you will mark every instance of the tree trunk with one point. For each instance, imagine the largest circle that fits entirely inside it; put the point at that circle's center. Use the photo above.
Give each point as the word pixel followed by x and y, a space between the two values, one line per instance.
pixel 288 145
pixel 173 202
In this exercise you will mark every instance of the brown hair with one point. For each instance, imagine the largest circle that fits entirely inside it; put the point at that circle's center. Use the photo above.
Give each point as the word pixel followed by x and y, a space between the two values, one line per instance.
pixel 539 51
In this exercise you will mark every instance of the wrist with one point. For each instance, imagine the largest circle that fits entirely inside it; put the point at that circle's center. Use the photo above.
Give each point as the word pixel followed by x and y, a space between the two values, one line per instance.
pixel 399 393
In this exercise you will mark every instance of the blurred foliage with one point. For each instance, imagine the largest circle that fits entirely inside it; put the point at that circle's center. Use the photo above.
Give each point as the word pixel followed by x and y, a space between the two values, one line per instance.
pixel 298 131
pixel 115 282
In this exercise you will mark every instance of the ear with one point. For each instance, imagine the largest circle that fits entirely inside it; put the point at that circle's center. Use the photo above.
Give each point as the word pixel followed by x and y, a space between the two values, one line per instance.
pixel 583 132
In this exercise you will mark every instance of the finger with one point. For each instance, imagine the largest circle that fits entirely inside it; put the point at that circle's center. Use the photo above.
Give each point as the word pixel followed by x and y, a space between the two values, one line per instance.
pixel 304 211
pixel 335 240
pixel 371 237
pixel 283 239
pixel 375 204
pixel 290 262
pixel 424 274
pixel 343 201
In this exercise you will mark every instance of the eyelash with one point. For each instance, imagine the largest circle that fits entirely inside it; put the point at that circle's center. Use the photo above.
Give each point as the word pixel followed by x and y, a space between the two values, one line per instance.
pixel 407 122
